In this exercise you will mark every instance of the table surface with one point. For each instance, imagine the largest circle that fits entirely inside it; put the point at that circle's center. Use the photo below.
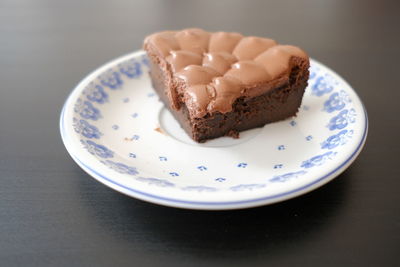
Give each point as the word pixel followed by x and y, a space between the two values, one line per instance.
pixel 53 214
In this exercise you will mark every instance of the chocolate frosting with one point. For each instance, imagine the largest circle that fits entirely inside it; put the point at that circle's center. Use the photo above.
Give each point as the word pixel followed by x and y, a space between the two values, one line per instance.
pixel 217 68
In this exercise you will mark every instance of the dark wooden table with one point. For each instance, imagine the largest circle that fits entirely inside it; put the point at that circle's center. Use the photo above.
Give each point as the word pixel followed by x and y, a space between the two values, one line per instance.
pixel 53 214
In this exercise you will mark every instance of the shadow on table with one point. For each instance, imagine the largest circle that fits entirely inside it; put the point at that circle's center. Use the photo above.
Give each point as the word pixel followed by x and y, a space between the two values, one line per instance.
pixel 274 229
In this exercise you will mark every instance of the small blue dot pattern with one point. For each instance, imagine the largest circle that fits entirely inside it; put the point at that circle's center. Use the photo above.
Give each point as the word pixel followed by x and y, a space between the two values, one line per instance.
pixel 242 165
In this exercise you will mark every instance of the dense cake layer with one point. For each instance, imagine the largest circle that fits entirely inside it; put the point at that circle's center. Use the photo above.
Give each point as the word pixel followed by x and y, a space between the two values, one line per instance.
pixel 222 83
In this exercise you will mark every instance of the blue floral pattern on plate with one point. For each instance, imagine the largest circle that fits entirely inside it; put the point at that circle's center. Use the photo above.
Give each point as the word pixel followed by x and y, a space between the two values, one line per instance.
pixel 99 95
pixel 111 79
pixel 97 150
pixel 323 85
pixel 87 110
pixel 341 121
pixel 318 160
pixel 120 167
pixel 247 187
pixel 336 101
pixel 338 139
pixel 287 176
pixel 95 93
pixel 86 129
pixel 131 68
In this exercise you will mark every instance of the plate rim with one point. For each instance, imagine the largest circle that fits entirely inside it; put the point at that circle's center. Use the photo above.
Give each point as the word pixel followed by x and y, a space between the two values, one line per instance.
pixel 204 205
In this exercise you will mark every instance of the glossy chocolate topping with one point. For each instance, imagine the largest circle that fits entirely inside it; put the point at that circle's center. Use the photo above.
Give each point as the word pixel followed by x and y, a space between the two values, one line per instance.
pixel 181 59
pixel 217 68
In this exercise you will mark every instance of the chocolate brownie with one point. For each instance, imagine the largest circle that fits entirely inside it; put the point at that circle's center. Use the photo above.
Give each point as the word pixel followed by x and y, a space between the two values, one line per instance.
pixel 218 84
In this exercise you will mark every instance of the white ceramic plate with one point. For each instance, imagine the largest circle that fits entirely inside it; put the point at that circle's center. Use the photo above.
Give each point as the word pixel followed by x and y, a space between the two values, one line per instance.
pixel 116 129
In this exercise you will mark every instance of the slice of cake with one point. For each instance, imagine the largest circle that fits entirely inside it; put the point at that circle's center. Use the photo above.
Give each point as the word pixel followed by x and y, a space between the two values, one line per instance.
pixel 218 84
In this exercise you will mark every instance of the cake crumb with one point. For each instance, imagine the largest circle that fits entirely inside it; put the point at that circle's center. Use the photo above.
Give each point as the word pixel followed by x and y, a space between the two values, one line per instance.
pixel 234 134
pixel 158 129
